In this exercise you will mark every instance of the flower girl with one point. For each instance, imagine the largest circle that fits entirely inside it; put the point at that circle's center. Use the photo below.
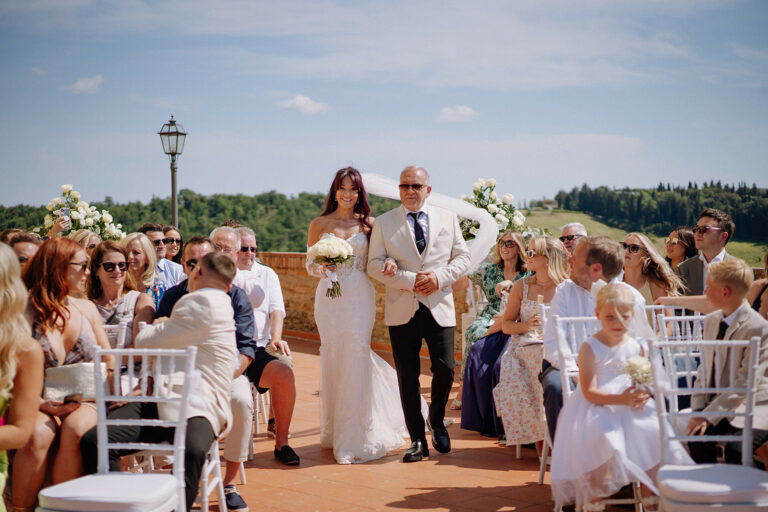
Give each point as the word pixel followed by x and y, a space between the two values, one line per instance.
pixel 608 431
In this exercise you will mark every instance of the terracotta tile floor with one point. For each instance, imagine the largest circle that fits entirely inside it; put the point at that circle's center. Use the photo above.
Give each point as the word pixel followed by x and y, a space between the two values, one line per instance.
pixel 477 474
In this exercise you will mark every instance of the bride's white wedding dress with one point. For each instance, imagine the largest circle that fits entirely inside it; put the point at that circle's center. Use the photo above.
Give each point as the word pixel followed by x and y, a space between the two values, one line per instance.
pixel 361 415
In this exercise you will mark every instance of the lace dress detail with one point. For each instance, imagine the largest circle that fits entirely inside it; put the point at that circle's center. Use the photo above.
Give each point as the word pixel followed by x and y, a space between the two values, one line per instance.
pixel 361 415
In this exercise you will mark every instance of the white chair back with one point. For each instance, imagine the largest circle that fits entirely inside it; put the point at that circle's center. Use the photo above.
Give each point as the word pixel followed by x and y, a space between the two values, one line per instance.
pixel 117 334
pixel 570 333
pixel 164 378
pixel 544 313
pixel 672 391
pixel 655 310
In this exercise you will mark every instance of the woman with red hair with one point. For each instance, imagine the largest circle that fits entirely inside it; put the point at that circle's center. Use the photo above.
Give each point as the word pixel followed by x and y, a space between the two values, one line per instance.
pixel 69 330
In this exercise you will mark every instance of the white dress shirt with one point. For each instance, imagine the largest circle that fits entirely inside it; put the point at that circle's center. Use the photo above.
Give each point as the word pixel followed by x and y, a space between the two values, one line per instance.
pixel 273 301
pixel 249 282
pixel 170 273
pixel 423 222
pixel 720 257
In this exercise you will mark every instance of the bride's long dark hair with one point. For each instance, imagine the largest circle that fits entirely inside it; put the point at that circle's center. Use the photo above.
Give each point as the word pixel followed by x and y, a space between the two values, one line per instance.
pixel 362 208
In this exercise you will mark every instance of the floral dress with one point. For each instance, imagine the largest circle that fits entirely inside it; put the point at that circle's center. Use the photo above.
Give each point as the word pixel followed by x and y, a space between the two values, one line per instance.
pixel 487 277
pixel 518 395
pixel 156 291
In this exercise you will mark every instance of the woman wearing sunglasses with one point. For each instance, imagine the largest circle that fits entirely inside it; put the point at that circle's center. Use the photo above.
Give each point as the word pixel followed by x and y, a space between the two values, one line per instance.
pixel 680 246
pixel 647 271
pixel 173 243
pixel 69 330
pixel 87 239
pixel 142 264
pixel 112 288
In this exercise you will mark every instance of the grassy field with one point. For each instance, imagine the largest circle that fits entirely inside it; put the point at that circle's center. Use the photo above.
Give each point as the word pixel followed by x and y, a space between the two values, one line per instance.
pixel 750 252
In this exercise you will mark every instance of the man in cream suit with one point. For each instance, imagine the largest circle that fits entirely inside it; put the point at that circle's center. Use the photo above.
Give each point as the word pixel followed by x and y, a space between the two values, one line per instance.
pixel 727 285
pixel 418 252
pixel 204 318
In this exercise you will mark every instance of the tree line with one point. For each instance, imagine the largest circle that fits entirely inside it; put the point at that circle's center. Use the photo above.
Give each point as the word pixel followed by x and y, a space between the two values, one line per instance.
pixel 280 222
pixel 659 210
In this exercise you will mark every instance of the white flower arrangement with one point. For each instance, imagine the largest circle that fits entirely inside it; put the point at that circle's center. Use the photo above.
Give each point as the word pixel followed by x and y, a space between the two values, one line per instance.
pixel 503 211
pixel 639 370
pixel 332 250
pixel 81 214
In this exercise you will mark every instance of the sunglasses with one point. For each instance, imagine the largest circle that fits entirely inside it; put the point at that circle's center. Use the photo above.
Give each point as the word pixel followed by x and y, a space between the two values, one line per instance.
pixel 507 243
pixel 158 242
pixel 83 265
pixel 413 186
pixel 169 241
pixel 225 250
pixel 530 253
pixel 704 229
pixel 109 266
pixel 570 238
pixel 673 241
pixel 191 264
pixel 632 248
pixel 244 248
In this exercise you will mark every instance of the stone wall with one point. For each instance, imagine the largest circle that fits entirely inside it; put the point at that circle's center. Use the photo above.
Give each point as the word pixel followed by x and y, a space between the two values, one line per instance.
pixel 299 295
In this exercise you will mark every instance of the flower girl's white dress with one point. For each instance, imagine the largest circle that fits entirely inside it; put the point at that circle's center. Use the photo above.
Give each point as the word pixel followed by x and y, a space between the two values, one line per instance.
pixel 361 415
pixel 601 448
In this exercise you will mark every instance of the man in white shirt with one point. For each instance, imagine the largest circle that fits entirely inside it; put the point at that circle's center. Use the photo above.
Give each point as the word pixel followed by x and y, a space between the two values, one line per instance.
pixel 169 272
pixel 595 259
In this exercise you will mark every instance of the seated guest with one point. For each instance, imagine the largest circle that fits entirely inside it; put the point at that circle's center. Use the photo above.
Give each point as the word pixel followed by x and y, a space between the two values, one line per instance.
pixel 25 246
pixel 595 259
pixel 7 234
pixel 517 397
pixel 172 242
pixel 87 239
pixel 726 288
pixel 495 278
pixel 21 364
pixel 142 264
pixel 646 270
pixel 204 319
pixel 112 288
pixel 227 240
pixel 570 234
pixel 69 330
pixel 758 293
pixel 170 273
pixel 680 246
pixel 249 248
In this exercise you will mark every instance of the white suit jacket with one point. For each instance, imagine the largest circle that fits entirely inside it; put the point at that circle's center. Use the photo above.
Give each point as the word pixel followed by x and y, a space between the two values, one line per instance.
pixel 745 325
pixel 204 319
pixel 446 255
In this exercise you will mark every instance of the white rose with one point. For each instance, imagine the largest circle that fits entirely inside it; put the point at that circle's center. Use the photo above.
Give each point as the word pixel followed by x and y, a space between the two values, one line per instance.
pixel 56 200
pixel 493 196
pixel 75 194
pixel 49 207
pixel 473 230
pixel 501 220
pixel 83 205
pixel 481 181
pixel 83 213
pixel 518 219
pixel 66 188
pixel 492 209
pixel 97 230
pixel 74 215
pixel 89 222
pixel 119 226
pixel 111 230
pixel 491 182
pixel 106 217
pixel 476 186
pixel 48 221
pixel 507 198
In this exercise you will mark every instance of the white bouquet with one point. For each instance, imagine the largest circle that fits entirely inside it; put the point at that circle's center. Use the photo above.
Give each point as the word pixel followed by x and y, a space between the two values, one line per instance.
pixel 639 370
pixel 332 250
pixel 81 215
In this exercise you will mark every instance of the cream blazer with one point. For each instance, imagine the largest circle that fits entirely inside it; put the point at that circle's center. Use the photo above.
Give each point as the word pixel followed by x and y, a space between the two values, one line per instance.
pixel 745 325
pixel 204 319
pixel 446 255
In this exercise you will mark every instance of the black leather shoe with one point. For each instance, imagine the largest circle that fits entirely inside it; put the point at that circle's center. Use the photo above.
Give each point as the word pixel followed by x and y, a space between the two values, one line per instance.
pixel 440 440
pixel 287 456
pixel 417 451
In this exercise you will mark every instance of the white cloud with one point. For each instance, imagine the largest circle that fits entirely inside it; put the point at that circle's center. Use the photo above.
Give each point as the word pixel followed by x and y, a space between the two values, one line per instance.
pixel 457 114
pixel 37 71
pixel 85 85
pixel 305 105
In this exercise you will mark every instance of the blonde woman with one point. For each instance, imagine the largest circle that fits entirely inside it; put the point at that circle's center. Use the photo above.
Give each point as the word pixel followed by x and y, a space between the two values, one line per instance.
pixel 518 396
pixel 21 363
pixel 142 263
pixel 87 239
pixel 647 271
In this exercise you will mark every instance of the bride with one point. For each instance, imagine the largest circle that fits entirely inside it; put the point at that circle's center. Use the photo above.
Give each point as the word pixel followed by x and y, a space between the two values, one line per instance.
pixel 361 417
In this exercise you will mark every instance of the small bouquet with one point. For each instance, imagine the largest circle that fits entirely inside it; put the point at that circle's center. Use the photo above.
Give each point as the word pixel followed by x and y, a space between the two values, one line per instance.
pixel 639 370
pixel 81 215
pixel 332 250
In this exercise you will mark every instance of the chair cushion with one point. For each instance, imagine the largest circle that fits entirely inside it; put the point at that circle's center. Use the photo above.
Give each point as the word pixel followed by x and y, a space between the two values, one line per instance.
pixel 713 483
pixel 112 492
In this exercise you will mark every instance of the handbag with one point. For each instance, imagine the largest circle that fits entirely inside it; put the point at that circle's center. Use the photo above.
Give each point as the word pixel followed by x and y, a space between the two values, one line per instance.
pixel 73 379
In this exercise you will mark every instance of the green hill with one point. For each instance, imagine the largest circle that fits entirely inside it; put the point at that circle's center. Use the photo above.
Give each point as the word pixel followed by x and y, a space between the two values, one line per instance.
pixel 750 252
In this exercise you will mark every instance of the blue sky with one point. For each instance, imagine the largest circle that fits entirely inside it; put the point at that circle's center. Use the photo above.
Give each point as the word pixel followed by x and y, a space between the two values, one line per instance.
pixel 541 95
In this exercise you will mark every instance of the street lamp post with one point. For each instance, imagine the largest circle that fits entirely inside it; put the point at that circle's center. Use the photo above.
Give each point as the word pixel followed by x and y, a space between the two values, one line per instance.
pixel 172 136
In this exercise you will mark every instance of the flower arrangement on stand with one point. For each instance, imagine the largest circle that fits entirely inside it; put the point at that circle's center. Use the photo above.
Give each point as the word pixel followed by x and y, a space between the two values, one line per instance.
pixel 484 196
pixel 81 215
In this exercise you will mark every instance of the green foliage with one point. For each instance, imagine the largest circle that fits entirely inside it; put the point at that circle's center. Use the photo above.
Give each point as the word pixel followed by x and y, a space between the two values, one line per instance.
pixel 280 222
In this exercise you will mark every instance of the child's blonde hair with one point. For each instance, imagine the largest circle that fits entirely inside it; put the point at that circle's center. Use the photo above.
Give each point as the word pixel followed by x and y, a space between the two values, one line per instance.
pixel 615 294
pixel 732 272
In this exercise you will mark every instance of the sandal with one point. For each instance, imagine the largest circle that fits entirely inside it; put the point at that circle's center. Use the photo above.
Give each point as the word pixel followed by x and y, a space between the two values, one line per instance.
pixel 456 405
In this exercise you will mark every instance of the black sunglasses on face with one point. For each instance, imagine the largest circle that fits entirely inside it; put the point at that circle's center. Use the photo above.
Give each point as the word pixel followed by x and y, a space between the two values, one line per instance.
pixel 507 243
pixel 83 265
pixel 109 266
pixel 633 248
pixel 704 229
pixel 569 237
pixel 246 249
pixel 413 186
pixel 169 241
pixel 158 242
pixel 191 264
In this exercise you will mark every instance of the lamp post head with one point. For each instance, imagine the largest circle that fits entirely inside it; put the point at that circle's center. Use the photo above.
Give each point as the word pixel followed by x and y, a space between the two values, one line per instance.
pixel 172 136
